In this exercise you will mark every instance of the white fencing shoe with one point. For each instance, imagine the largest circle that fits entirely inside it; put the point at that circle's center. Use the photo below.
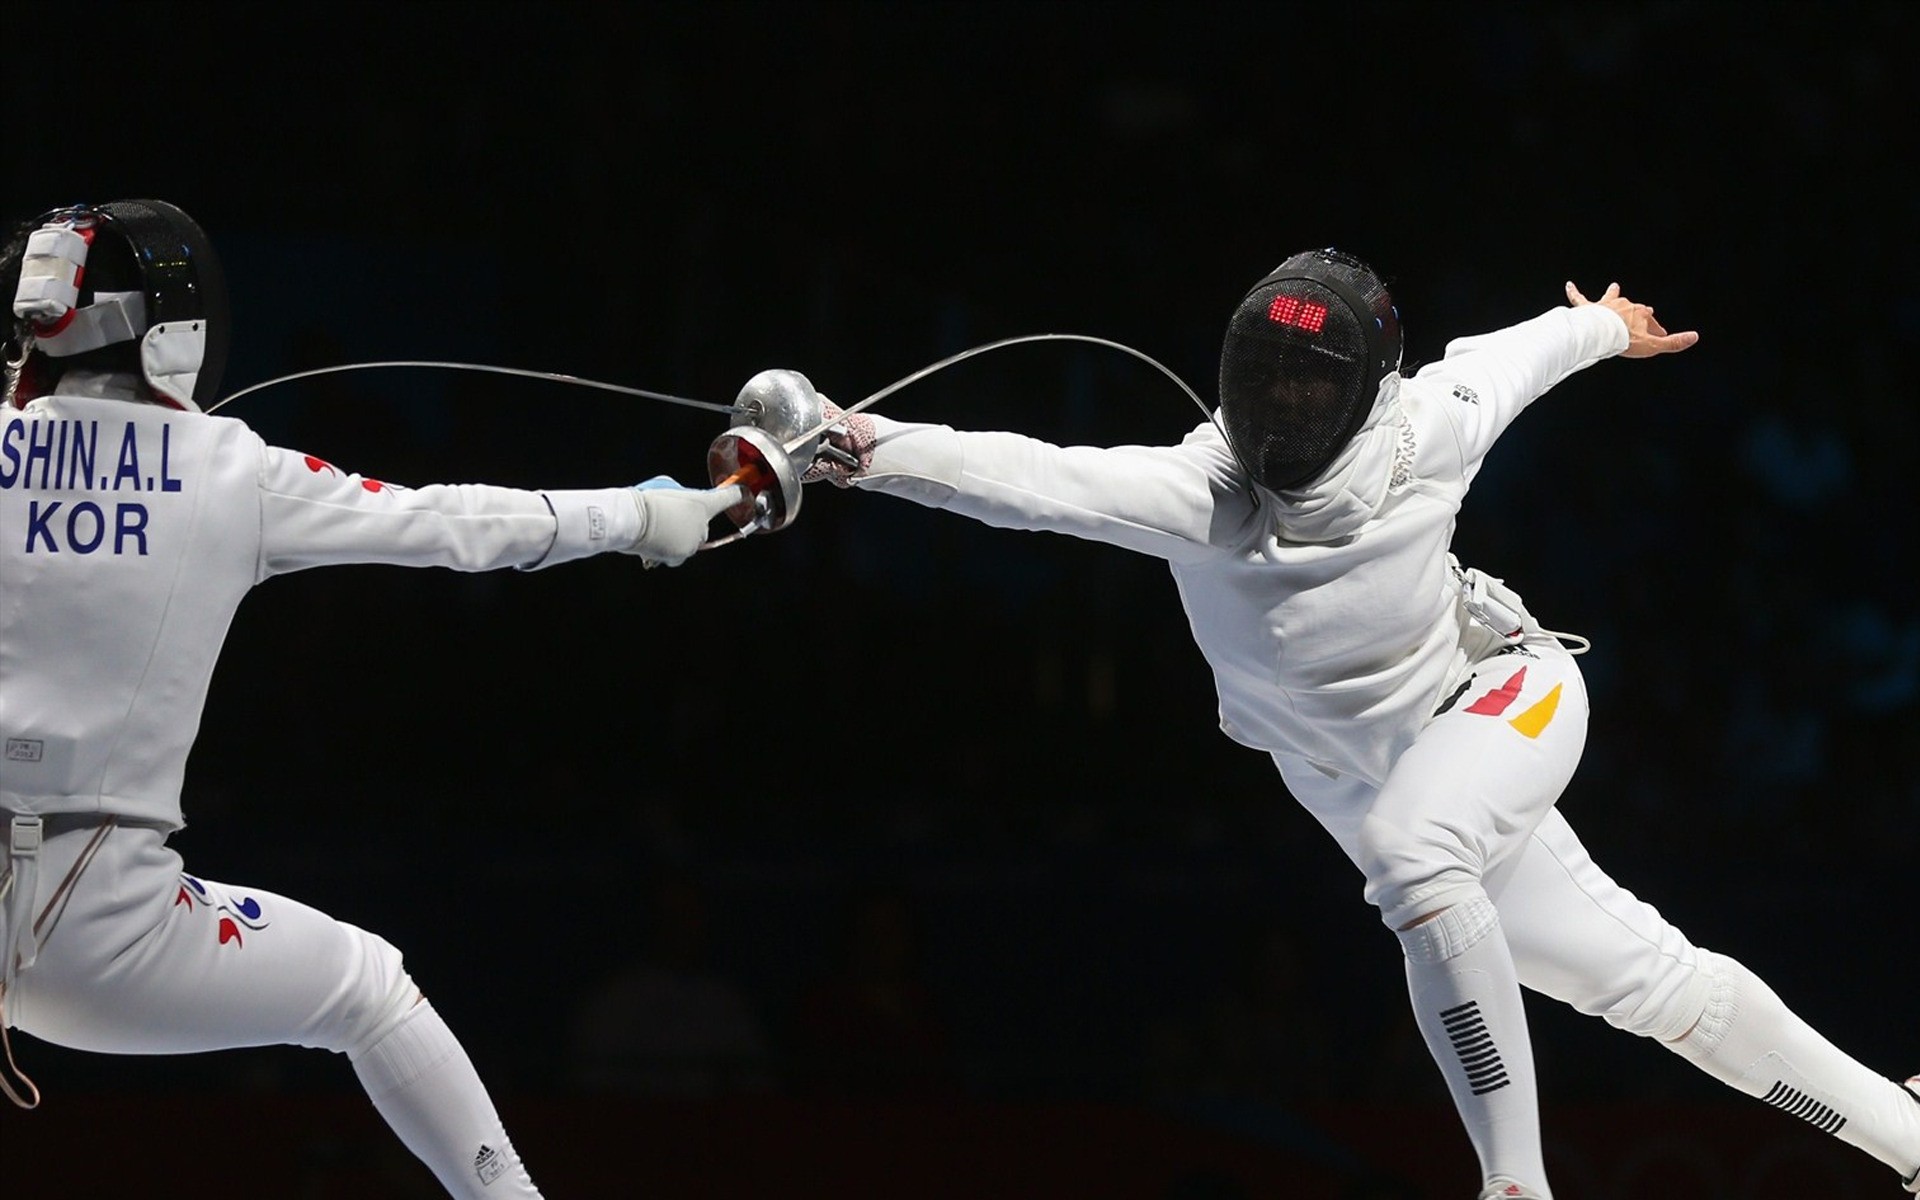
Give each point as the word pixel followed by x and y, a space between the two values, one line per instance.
pixel 1507 1189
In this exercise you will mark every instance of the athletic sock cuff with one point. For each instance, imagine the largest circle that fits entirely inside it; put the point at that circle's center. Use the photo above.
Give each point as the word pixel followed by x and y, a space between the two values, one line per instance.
pixel 1456 930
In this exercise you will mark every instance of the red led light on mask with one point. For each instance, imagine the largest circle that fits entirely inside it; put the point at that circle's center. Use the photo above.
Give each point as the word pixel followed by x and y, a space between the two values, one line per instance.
pixel 1301 314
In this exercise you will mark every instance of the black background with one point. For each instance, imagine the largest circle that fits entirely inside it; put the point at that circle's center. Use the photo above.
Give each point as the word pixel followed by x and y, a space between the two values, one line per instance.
pixel 515 777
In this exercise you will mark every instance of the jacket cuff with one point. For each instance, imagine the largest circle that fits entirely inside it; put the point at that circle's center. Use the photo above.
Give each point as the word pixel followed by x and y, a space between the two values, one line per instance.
pixel 920 462
pixel 590 522
pixel 1604 329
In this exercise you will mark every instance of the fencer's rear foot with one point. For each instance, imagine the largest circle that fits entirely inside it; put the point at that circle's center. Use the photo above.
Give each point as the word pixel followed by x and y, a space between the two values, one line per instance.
pixel 1507 1189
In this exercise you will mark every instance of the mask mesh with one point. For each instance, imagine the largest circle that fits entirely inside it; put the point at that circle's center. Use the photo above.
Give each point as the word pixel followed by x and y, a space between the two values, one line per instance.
pixel 1287 391
pixel 1298 371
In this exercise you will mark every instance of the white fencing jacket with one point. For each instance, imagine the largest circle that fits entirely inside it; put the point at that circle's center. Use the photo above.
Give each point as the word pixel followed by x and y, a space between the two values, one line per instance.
pixel 129 533
pixel 1332 616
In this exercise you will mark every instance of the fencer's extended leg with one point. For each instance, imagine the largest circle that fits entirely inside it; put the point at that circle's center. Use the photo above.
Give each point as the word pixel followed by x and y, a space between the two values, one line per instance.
pixel 1580 937
pixel 1457 804
pixel 1466 1001
pixel 143 959
pixel 1748 1038
pixel 419 1077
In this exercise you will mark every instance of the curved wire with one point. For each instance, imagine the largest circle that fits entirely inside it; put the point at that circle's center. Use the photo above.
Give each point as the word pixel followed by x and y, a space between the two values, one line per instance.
pixel 552 376
pixel 963 355
pixel 950 360
pixel 794 443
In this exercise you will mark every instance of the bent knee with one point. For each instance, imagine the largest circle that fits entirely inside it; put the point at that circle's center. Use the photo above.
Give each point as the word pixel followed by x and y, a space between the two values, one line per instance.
pixel 374 993
pixel 1665 1000
pixel 1414 873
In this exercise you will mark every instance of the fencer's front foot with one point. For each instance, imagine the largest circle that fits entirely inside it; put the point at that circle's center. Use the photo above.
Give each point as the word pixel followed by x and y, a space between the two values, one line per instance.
pixel 1507 1189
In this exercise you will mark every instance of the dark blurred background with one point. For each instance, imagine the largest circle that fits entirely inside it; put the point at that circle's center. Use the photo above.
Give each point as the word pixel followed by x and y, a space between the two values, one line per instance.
pixel 895 856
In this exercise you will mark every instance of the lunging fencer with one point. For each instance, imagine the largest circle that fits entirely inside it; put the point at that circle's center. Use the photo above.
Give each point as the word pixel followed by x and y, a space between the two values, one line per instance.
pixel 131 525
pixel 1412 704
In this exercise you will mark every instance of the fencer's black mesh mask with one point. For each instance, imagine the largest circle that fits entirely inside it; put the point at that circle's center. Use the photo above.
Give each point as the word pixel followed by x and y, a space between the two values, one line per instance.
pixel 1304 357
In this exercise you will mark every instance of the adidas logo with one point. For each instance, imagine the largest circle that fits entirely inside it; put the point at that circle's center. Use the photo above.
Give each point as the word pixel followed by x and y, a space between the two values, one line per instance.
pixel 488 1165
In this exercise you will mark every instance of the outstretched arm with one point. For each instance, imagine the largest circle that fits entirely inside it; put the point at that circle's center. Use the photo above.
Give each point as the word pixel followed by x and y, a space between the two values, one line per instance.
pixel 1172 502
pixel 313 513
pixel 1493 377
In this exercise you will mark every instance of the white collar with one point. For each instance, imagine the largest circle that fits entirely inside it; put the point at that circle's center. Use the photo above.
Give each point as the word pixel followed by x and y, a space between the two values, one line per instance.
pixel 104 385
pixel 1350 491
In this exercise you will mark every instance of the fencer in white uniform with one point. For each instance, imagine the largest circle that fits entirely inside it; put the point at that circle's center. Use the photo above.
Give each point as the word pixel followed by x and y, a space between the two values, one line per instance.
pixel 131 525
pixel 1412 705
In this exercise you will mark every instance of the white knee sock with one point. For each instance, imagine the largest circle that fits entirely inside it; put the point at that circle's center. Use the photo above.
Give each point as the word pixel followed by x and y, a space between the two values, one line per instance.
pixel 1748 1038
pixel 422 1082
pixel 1466 999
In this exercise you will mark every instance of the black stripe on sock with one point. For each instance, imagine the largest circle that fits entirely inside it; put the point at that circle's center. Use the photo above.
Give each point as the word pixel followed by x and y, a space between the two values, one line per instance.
pixel 1473 1044
pixel 1797 1103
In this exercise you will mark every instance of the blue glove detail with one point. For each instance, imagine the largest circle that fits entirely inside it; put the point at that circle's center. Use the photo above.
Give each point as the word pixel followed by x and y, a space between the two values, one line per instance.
pixel 662 481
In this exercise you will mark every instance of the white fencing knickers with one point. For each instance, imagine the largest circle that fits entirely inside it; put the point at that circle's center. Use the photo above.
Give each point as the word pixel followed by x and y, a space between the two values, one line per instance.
pixel 1484 806
pixel 1469 809
pixel 138 957
pixel 1455 806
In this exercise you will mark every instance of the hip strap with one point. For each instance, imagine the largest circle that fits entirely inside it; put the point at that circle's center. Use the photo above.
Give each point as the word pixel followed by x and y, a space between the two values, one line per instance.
pixel 26 933
pixel 1497 607
pixel 24 836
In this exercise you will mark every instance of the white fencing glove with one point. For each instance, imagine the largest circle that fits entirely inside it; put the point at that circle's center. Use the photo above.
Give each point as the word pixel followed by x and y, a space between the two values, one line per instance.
pixel 674 518
pixel 846 448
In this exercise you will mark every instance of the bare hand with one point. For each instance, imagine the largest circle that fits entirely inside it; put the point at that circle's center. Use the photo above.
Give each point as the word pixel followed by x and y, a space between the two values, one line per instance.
pixel 1646 337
